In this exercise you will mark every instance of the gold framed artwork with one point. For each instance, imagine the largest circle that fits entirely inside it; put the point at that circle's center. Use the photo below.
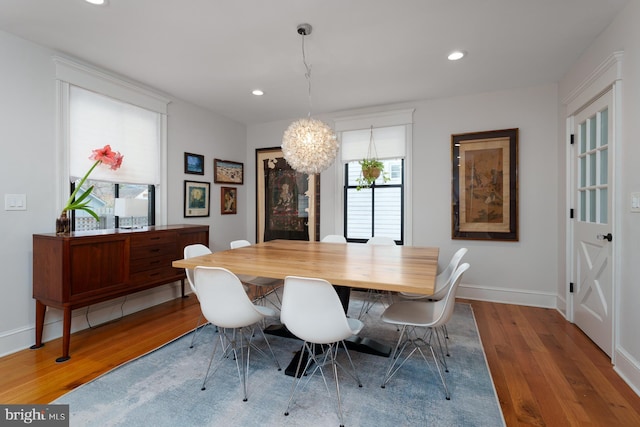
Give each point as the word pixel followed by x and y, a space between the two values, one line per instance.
pixel 228 172
pixel 485 185
pixel 287 201
pixel 196 198
pixel 228 200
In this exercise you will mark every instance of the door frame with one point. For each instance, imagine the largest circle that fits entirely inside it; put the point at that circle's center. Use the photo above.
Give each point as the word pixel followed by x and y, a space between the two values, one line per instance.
pixel 607 76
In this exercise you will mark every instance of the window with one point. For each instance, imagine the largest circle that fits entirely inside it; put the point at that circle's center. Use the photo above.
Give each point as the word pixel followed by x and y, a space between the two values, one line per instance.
pixel 97 109
pixel 94 121
pixel 378 210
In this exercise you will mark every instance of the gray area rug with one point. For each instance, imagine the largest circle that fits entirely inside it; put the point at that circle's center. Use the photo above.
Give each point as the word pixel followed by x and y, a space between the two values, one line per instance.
pixel 162 388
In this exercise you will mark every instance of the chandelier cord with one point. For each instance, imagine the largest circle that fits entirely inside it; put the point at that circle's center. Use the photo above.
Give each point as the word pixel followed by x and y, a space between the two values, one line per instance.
pixel 307 74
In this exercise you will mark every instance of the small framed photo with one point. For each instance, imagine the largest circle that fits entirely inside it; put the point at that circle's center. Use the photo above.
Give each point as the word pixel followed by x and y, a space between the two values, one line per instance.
pixel 193 164
pixel 196 198
pixel 228 200
pixel 228 172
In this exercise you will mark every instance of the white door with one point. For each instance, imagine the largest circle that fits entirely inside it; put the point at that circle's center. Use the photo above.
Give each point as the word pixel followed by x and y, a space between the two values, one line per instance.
pixel 592 227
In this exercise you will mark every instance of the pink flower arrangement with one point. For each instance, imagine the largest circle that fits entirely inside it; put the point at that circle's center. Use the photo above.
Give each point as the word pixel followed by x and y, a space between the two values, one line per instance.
pixel 104 155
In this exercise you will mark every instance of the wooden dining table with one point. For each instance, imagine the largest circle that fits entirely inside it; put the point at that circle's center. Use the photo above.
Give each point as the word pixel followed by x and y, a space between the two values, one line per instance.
pixel 392 268
pixel 388 268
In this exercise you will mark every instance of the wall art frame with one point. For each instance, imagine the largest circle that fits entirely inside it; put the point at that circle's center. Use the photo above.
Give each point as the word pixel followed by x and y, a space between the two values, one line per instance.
pixel 197 195
pixel 228 172
pixel 287 201
pixel 485 185
pixel 193 163
pixel 228 200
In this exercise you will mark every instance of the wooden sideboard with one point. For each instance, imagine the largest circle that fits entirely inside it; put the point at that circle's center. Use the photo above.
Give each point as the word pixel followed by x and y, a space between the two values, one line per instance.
pixel 84 268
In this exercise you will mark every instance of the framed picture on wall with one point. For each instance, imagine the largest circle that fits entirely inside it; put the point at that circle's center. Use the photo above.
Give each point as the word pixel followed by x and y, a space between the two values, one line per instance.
pixel 228 172
pixel 196 198
pixel 194 163
pixel 485 185
pixel 228 200
pixel 287 201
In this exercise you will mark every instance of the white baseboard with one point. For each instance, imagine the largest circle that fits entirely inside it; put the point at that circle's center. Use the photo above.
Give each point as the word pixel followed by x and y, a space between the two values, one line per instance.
pixel 628 368
pixel 91 316
pixel 508 296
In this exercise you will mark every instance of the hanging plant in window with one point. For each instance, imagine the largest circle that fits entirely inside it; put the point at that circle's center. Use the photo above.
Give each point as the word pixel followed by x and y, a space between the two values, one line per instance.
pixel 371 167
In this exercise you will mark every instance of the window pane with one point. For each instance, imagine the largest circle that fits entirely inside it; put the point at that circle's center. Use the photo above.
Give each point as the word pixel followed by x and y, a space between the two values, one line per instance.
pixel 592 205
pixel 592 169
pixel 388 212
pixel 604 167
pixel 583 205
pixel 592 133
pixel 583 137
pixel 604 217
pixel 359 213
pixel 583 171
pixel 604 127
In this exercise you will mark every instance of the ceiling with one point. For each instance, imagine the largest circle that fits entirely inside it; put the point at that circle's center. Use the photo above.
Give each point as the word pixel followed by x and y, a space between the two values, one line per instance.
pixel 363 53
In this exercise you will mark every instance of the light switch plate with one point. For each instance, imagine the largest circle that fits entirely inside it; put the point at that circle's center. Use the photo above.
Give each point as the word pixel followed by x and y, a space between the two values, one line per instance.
pixel 15 202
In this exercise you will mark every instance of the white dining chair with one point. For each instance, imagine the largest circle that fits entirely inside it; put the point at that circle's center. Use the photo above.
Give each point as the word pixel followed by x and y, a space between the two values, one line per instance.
pixel 265 286
pixel 312 311
pixel 225 303
pixel 192 251
pixel 420 322
pixel 373 296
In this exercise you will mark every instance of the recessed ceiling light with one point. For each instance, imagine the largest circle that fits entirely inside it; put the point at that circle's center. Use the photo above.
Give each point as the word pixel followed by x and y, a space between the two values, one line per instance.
pixel 456 54
pixel 257 92
pixel 97 2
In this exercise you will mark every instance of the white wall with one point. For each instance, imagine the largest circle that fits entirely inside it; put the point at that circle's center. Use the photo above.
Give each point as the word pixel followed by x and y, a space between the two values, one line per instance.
pixel 622 35
pixel 523 272
pixel 27 166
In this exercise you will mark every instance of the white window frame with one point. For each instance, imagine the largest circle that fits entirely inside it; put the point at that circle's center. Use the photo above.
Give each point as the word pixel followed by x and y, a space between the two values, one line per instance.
pixel 380 119
pixel 71 72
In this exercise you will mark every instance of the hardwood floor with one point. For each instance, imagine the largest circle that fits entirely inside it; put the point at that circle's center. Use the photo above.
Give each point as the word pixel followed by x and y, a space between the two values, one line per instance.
pixel 546 371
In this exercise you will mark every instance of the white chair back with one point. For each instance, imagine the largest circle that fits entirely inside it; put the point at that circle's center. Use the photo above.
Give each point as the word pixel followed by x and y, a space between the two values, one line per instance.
pixel 334 238
pixel 445 306
pixel 192 251
pixel 381 240
pixel 239 244
pixel 312 311
pixel 443 280
pixel 223 299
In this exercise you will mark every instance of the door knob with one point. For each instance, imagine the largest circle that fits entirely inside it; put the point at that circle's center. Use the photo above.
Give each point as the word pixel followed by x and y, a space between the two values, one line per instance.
pixel 608 237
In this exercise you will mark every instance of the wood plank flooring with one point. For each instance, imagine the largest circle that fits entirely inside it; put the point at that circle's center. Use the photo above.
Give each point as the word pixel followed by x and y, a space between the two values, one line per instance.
pixel 546 371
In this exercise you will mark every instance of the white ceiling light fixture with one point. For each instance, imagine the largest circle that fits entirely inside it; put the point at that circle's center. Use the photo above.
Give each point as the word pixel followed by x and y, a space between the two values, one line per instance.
pixel 456 54
pixel 97 2
pixel 257 92
pixel 309 145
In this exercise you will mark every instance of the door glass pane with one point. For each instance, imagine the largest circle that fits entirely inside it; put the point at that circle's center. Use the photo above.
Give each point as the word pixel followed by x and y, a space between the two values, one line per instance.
pixel 583 171
pixel 592 205
pixel 603 206
pixel 583 137
pixel 604 127
pixel 592 169
pixel 583 205
pixel 604 163
pixel 592 133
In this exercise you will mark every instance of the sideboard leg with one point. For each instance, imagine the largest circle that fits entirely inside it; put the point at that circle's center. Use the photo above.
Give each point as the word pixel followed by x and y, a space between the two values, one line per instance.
pixel 66 335
pixel 40 311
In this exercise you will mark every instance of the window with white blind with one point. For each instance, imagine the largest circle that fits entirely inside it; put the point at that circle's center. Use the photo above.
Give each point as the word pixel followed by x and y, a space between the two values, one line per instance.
pixel 98 109
pixel 379 209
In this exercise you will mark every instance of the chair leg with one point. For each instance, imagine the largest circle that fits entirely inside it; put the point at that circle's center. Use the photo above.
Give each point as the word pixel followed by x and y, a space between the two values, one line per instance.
pixel 193 339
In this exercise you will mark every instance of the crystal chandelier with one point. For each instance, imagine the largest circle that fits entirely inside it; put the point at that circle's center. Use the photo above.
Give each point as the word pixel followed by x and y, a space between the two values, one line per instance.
pixel 309 145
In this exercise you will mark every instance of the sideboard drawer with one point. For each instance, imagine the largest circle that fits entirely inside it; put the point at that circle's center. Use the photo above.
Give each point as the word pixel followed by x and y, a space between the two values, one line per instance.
pixel 153 239
pixel 154 275
pixel 168 249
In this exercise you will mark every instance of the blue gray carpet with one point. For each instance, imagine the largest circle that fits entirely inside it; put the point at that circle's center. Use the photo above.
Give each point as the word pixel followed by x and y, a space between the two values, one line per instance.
pixel 162 388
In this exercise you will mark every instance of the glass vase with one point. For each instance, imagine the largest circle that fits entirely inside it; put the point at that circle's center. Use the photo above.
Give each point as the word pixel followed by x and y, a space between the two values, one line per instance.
pixel 63 224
